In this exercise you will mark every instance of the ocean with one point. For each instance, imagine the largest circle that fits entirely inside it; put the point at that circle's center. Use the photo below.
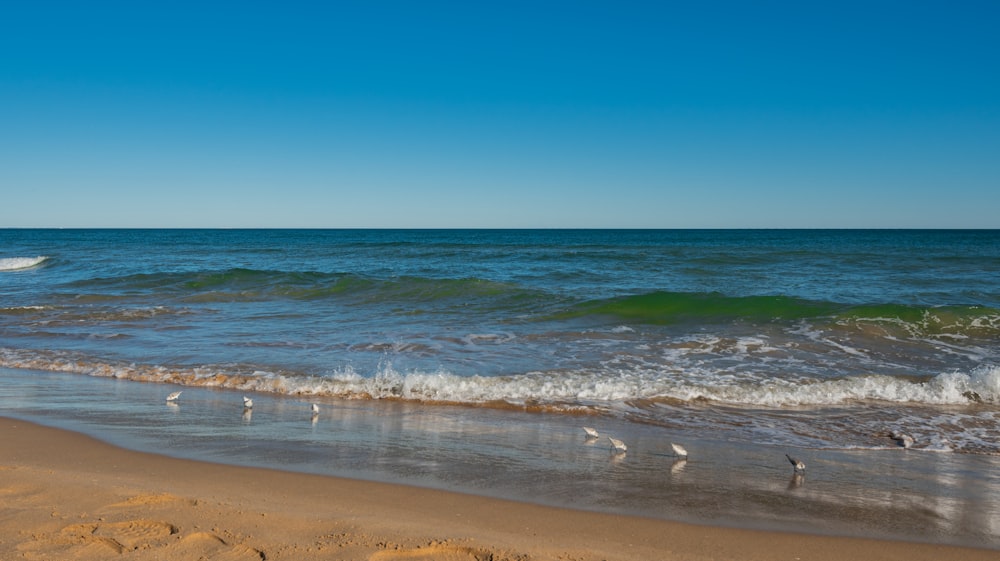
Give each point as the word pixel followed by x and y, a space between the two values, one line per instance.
pixel 470 360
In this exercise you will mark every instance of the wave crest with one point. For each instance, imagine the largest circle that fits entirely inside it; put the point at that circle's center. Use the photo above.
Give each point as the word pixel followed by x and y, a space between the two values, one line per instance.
pixel 981 385
pixel 21 263
pixel 892 320
pixel 250 285
pixel 673 307
pixel 570 389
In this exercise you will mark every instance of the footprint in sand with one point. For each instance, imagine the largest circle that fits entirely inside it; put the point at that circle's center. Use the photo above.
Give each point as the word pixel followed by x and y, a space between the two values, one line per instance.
pixel 150 500
pixel 103 540
pixel 206 545
pixel 436 552
pixel 118 537
pixel 136 534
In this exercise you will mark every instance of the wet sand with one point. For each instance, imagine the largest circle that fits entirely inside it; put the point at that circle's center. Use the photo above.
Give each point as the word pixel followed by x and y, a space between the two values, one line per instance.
pixel 67 496
pixel 885 493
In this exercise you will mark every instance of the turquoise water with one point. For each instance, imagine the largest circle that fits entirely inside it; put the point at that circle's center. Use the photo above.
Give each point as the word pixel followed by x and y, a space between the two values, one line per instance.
pixel 470 359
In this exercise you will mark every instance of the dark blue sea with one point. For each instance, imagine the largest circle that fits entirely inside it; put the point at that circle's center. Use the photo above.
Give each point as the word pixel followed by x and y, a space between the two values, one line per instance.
pixel 469 359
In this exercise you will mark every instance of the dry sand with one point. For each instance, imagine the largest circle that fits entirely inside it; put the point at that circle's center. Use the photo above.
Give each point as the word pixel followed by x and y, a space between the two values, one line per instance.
pixel 66 496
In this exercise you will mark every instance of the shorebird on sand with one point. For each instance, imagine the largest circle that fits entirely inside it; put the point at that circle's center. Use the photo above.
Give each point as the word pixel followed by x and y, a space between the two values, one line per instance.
pixel 617 446
pixel 799 466
pixel 174 396
pixel 315 409
pixel 679 450
pixel 247 403
pixel 591 433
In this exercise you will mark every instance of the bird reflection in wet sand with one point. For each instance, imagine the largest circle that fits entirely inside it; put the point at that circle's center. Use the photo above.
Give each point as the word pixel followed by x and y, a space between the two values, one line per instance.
pixel 796 481
pixel 677 467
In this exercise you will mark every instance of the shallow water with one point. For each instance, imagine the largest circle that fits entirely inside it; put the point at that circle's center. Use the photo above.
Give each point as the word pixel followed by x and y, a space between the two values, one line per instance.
pixel 537 457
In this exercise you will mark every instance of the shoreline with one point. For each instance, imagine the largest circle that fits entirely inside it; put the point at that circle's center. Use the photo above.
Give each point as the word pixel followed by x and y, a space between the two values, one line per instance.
pixel 536 458
pixel 69 496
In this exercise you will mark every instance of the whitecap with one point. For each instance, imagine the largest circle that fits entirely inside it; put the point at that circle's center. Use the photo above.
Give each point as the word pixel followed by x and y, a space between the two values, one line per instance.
pixel 20 263
pixel 606 385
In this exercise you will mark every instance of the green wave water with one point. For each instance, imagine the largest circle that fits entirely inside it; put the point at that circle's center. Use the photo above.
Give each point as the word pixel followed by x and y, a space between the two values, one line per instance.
pixel 666 308
pixel 250 285
pixel 659 308
pixel 650 308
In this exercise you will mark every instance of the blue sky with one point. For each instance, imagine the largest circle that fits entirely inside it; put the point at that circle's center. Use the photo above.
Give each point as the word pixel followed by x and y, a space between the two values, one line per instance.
pixel 507 114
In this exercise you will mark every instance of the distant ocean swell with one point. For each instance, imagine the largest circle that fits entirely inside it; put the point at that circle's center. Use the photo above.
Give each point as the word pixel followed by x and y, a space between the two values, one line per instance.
pixel 525 302
pixel 254 285
pixel 569 390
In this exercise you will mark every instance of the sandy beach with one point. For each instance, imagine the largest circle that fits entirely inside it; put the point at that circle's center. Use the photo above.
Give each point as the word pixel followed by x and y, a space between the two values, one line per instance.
pixel 67 496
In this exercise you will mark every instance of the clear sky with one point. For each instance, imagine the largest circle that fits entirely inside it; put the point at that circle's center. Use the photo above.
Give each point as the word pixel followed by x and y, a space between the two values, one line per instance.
pixel 500 114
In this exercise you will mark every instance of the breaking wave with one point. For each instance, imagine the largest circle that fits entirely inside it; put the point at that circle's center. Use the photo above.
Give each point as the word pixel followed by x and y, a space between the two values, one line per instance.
pixel 20 263
pixel 562 389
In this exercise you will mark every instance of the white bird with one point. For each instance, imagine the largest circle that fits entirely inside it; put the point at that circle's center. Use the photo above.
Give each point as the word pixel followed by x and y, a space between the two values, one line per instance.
pixel 618 446
pixel 591 433
pixel 315 409
pixel 173 396
pixel 799 466
pixel 247 402
pixel 902 439
pixel 679 450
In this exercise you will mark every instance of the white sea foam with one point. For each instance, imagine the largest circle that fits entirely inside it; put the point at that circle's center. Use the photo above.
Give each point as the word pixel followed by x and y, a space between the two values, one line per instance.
pixel 952 388
pixel 764 410
pixel 488 338
pixel 566 387
pixel 20 263
pixel 23 309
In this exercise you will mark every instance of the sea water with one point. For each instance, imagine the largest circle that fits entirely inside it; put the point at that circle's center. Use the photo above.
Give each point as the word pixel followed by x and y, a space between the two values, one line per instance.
pixel 469 360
